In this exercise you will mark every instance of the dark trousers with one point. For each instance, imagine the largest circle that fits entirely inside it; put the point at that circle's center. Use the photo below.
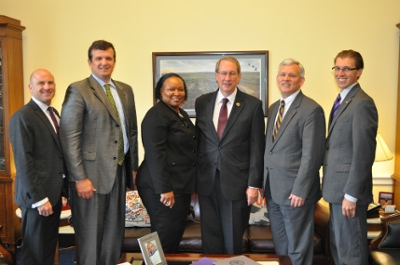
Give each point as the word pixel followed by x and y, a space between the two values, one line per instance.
pixel 348 236
pixel 39 236
pixel 223 221
pixel 169 223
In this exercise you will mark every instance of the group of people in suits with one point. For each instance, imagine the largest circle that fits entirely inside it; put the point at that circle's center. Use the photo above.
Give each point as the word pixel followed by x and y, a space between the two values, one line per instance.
pixel 227 157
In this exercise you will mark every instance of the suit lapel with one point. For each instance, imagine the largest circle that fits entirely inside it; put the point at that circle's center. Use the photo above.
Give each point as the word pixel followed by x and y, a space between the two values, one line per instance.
pixel 291 112
pixel 39 113
pixel 209 109
pixel 99 92
pixel 237 108
pixel 343 106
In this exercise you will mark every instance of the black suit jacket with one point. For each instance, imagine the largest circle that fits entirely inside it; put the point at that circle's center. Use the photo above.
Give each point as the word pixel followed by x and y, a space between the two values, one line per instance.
pixel 38 157
pixel 241 147
pixel 170 152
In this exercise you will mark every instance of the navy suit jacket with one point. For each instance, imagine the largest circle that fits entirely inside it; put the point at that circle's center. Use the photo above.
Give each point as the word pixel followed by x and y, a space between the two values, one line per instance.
pixel 241 147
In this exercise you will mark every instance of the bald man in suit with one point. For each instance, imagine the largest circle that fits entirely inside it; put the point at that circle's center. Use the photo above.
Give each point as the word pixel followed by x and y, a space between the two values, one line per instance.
pixel 230 161
pixel 40 170
pixel 349 156
pixel 293 155
pixel 98 134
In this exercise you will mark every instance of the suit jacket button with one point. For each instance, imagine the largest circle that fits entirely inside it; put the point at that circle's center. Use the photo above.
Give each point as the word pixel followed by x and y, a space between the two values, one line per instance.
pixel 194 164
pixel 115 142
pixel 270 153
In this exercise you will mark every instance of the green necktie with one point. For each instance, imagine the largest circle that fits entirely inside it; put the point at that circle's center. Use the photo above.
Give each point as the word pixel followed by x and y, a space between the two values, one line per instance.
pixel 121 153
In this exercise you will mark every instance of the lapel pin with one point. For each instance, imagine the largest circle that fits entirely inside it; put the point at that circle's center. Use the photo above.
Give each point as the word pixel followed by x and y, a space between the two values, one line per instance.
pixel 238 104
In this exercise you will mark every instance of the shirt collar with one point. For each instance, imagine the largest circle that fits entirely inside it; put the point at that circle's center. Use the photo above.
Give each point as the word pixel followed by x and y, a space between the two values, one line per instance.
pixel 41 105
pixel 231 97
pixel 102 83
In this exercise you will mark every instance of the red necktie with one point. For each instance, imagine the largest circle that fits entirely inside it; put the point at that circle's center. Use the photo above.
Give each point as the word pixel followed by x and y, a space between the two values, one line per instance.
pixel 223 118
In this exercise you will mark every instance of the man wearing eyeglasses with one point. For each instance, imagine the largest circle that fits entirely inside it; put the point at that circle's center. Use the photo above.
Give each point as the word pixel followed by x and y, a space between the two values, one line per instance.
pixel 230 129
pixel 294 151
pixel 349 155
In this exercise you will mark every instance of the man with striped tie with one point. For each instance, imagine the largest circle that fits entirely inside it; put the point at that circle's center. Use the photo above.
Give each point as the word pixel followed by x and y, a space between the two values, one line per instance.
pixel 294 152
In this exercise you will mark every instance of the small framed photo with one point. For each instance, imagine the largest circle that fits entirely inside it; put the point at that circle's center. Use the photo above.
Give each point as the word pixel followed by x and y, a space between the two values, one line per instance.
pixel 386 198
pixel 151 248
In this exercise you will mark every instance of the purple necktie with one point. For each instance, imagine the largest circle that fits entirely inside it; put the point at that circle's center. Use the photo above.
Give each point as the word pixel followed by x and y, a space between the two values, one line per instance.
pixel 223 118
pixel 335 107
pixel 53 118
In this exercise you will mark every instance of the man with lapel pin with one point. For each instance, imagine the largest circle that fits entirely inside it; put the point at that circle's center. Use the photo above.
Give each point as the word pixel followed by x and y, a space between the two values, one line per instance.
pixel 40 171
pixel 230 129
pixel 295 140
pixel 349 156
pixel 98 134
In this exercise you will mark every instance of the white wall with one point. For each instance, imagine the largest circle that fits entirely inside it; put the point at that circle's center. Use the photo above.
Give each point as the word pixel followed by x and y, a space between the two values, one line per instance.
pixel 58 34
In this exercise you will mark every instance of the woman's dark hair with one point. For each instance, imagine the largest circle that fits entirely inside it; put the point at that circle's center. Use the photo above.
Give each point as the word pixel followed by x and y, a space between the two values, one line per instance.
pixel 160 83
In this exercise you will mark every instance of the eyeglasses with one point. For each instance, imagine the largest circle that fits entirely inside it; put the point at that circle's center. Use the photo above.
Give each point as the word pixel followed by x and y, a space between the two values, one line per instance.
pixel 233 74
pixel 344 69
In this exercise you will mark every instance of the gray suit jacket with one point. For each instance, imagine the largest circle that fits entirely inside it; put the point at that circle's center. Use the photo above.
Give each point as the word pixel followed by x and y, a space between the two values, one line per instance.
pixel 38 157
pixel 241 147
pixel 350 149
pixel 293 160
pixel 89 133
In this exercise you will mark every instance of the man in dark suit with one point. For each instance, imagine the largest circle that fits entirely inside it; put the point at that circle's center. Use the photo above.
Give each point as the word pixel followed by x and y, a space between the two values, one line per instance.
pixel 98 134
pixel 40 176
pixel 349 155
pixel 230 159
pixel 295 140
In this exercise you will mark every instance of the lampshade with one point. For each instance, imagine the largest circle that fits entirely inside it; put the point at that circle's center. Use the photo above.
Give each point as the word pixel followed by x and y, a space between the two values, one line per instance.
pixel 382 150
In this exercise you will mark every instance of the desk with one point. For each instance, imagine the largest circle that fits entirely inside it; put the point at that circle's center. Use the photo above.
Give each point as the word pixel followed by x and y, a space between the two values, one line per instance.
pixel 65 214
pixel 186 258
pixel 374 226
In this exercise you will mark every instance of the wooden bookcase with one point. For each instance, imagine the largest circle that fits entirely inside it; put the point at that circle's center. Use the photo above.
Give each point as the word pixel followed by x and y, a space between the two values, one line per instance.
pixel 11 99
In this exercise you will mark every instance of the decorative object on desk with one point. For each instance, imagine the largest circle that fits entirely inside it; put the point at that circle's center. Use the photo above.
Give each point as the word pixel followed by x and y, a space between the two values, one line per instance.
pixel 259 211
pixel 135 212
pixel 203 261
pixel 151 249
pixel 373 210
pixel 389 208
pixel 386 198
pixel 237 260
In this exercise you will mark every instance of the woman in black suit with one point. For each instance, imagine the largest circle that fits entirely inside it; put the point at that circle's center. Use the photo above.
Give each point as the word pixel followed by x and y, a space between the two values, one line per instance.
pixel 166 177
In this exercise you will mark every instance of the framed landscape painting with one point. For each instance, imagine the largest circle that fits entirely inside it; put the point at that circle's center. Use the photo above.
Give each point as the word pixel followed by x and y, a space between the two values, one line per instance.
pixel 198 71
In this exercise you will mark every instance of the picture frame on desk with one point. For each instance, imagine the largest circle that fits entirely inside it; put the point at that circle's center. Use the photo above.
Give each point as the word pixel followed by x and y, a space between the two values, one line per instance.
pixel 386 198
pixel 151 249
pixel 198 71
